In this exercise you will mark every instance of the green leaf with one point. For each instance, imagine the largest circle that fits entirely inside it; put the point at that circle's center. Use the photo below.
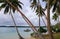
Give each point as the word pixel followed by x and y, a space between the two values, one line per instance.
pixel 1 1
pixel 58 10
pixel 20 2
pixel 54 8
pixel 19 5
pixel 3 5
pixel 13 10
pixel 55 16
pixel 7 6
pixel 6 10
pixel 34 4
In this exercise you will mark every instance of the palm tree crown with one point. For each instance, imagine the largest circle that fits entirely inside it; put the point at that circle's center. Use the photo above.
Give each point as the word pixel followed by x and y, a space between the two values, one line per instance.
pixel 7 6
pixel 56 8
pixel 36 7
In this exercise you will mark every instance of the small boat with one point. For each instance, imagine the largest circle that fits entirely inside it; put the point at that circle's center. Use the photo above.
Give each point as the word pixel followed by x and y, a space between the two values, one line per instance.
pixel 27 30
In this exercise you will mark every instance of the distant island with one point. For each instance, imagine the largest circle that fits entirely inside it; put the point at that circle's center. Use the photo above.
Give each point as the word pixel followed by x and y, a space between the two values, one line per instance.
pixel 24 26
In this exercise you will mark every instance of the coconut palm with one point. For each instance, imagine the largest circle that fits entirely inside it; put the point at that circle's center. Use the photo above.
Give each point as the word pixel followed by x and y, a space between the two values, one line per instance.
pixel 8 9
pixel 26 19
pixel 50 3
pixel 43 21
pixel 38 8
pixel 35 4
pixel 48 21
pixel 54 4
pixel 56 7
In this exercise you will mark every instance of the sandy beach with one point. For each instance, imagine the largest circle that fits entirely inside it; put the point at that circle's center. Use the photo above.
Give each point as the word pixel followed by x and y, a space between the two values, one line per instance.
pixel 29 38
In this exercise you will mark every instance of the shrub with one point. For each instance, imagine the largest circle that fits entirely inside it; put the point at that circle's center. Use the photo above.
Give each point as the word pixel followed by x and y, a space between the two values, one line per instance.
pixel 42 30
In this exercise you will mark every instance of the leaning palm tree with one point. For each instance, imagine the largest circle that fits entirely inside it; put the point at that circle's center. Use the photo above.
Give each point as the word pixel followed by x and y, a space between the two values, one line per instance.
pixel 48 6
pixel 48 20
pixel 8 8
pixel 56 8
pixel 51 3
pixel 26 19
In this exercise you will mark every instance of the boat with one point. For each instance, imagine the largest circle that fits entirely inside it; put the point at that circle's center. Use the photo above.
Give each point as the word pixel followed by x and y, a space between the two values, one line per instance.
pixel 27 30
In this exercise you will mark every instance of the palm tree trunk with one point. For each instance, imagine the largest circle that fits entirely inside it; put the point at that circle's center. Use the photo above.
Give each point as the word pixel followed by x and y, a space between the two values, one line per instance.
pixel 27 20
pixel 48 21
pixel 43 21
pixel 12 17
pixel 20 37
pixel 39 16
pixel 39 11
pixel 39 21
pixel 58 19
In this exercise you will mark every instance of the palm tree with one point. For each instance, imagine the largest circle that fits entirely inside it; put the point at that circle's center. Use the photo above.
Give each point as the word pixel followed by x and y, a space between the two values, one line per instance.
pixel 9 8
pixel 54 4
pixel 43 21
pixel 56 9
pixel 38 9
pixel 48 20
pixel 49 3
pixel 26 19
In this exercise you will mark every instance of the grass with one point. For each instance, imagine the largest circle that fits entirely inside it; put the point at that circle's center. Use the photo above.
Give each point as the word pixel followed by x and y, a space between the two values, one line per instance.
pixel 56 36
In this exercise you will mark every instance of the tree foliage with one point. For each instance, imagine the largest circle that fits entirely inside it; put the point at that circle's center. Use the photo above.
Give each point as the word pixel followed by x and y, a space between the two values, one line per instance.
pixel 56 7
pixel 42 30
pixel 35 6
pixel 7 6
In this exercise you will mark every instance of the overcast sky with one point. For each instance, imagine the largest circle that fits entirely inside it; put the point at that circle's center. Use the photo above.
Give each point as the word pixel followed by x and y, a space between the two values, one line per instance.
pixel 5 19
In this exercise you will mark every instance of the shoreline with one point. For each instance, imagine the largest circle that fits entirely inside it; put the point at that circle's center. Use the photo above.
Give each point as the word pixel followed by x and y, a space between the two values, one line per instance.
pixel 29 38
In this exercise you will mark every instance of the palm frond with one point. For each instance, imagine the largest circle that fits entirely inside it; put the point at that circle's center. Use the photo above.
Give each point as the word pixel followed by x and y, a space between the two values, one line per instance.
pixel 6 10
pixel 41 11
pixel 1 1
pixel 44 0
pixel 3 5
pixel 19 5
pixel 55 16
pixel 20 2
pixel 13 10
pixel 58 10
pixel 54 7
pixel 34 4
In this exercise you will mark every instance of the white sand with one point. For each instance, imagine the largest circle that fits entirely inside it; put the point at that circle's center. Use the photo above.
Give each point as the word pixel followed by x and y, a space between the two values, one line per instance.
pixel 29 38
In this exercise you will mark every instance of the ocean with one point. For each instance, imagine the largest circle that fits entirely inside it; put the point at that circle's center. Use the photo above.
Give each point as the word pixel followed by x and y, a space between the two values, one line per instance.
pixel 10 33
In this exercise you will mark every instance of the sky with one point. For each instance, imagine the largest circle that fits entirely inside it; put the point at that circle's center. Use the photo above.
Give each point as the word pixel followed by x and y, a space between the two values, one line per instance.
pixel 5 19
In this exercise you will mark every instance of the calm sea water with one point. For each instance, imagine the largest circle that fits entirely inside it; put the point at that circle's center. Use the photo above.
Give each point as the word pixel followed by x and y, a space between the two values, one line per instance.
pixel 10 33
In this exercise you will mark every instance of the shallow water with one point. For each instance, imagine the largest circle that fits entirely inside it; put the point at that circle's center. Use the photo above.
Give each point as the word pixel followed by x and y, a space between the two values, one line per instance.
pixel 10 33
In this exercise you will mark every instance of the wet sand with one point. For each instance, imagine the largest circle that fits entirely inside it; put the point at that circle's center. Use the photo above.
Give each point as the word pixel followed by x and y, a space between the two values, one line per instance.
pixel 29 38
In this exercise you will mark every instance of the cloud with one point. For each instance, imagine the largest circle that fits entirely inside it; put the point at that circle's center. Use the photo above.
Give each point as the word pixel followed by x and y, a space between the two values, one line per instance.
pixel 6 19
